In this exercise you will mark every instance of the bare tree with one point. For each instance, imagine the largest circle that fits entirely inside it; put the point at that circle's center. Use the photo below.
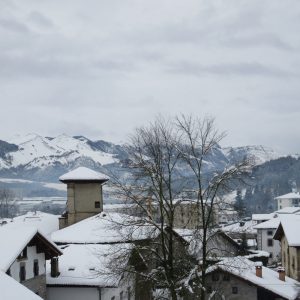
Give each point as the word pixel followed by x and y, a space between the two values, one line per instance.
pixel 7 203
pixel 167 158
pixel 154 162
pixel 199 140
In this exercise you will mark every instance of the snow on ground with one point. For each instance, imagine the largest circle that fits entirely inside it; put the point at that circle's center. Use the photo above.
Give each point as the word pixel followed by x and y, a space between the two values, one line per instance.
pixel 50 185
pixel 15 180
pixel 13 290
pixel 55 186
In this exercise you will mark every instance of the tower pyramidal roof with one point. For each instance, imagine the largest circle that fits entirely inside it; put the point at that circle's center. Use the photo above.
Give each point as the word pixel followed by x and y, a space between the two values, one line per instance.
pixel 83 174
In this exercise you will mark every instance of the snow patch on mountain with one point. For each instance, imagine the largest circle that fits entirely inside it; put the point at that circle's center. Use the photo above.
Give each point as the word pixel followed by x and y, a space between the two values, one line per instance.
pixel 258 154
pixel 36 151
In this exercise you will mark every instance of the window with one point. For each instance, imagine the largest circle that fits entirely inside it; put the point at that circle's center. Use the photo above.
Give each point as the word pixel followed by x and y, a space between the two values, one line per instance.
pixel 23 254
pixel 270 242
pixel 121 295
pixel 22 272
pixel 271 255
pixel 128 293
pixel 293 262
pixel 270 232
pixel 235 290
pixel 97 204
pixel 36 267
pixel 226 277
pixel 209 289
pixel 215 277
pixel 113 298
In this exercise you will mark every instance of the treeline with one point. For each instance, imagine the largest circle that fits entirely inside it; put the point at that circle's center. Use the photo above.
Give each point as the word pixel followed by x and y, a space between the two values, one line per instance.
pixel 269 180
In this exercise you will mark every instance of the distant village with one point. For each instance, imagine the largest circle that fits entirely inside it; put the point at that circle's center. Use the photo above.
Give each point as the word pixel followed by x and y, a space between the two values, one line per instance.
pixel 89 251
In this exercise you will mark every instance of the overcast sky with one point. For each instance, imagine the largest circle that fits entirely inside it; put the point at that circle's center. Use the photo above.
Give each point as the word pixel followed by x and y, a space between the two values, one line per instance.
pixel 102 68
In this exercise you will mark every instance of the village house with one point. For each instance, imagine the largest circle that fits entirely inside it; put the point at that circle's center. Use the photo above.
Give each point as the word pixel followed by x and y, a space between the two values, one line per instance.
pixel 288 200
pixel 288 235
pixel 89 247
pixel 265 241
pixel 23 256
pixel 239 278
pixel 266 229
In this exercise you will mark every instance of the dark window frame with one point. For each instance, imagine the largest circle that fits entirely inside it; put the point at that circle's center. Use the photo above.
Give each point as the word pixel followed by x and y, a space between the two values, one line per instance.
pixel 22 272
pixel 226 277
pixel 215 276
pixel 36 268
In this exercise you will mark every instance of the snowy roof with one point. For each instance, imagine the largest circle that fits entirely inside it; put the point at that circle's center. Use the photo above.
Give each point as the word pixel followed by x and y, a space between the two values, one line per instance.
pixel 83 174
pixel 44 222
pixel 245 269
pixel 88 265
pixel 272 224
pixel 289 196
pixel 262 217
pixel 288 210
pixel 240 227
pixel 13 290
pixel 290 225
pixel 16 239
pixel 102 229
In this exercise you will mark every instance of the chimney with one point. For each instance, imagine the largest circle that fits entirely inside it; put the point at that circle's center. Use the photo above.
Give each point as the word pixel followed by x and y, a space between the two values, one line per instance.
pixel 258 269
pixel 54 267
pixel 281 272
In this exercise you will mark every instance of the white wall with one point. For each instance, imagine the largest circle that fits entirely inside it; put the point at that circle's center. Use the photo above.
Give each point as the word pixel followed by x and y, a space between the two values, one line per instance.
pixel 31 256
pixel 262 243
pixel 72 293
pixel 85 293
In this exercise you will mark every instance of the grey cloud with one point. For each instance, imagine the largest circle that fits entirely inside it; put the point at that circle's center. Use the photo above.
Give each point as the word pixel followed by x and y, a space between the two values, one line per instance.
pixel 40 19
pixel 256 40
pixel 13 25
pixel 228 69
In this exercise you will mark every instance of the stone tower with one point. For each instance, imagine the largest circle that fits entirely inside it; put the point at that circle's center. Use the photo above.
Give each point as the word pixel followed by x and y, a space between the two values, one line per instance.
pixel 84 195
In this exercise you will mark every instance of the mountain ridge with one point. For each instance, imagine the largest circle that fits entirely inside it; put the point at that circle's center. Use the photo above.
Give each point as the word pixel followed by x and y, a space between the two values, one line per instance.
pixel 44 159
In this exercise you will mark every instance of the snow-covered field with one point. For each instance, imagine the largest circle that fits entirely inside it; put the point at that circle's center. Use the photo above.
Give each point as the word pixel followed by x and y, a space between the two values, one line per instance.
pixel 51 185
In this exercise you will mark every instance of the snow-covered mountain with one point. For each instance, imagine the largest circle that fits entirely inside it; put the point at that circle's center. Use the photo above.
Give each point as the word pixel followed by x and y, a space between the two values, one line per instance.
pixel 259 154
pixel 37 151
pixel 44 159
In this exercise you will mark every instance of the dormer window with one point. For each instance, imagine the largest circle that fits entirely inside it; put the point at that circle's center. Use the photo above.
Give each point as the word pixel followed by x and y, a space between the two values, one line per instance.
pixel 23 254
